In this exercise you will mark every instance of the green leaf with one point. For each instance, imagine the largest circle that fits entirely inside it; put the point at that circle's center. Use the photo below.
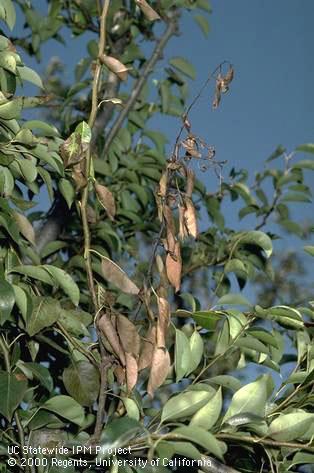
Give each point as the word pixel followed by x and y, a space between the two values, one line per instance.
pixel 203 24
pixel 41 373
pixel 10 15
pixel 118 433
pixel 234 299
pixel 47 129
pixel 65 406
pixel 30 76
pixel 65 281
pixel 205 439
pixel 289 427
pixel 197 350
pixel 256 238
pixel 132 409
pixel 304 164
pixel 67 190
pixel 306 148
pixel 207 318
pixel 183 66
pixel 35 272
pixel 184 405
pixel 309 250
pixel 226 381
pixel 251 343
pixel 208 415
pixel 75 321
pixel 204 5
pixel 186 449
pixel 279 151
pixel 7 300
pixel 46 312
pixel 12 392
pixel 251 398
pixel 81 381
pixel 182 355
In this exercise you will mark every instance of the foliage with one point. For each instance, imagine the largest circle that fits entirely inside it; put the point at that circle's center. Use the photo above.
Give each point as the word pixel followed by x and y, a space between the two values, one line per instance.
pixel 106 336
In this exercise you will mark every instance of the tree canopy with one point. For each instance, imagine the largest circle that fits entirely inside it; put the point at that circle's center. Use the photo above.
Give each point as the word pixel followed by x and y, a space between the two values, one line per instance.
pixel 122 323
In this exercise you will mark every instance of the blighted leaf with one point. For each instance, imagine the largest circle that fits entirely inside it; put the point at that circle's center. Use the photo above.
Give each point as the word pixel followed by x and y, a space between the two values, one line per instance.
pixel 131 371
pixel 74 148
pixel 106 199
pixel 110 334
pixel 148 346
pixel 115 275
pixel 128 334
pixel 184 405
pixel 147 10
pixel 289 427
pixel 208 415
pixel 25 227
pixel 7 299
pixel 190 218
pixel 81 381
pixel 159 370
pixel 163 320
pixel 12 392
pixel 174 266
pixel 115 66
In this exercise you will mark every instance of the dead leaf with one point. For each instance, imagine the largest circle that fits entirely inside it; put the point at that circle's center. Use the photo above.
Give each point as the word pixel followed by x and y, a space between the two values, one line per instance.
pixel 131 371
pixel 183 232
pixel 163 320
pixel 115 275
pixel 190 218
pixel 170 228
pixel 190 144
pixel 159 370
pixel 147 10
pixel 130 339
pixel 163 184
pixel 174 267
pixel 91 215
pixel 229 76
pixel 115 66
pixel 190 179
pixel 105 325
pixel 25 227
pixel 119 374
pixel 148 346
pixel 78 177
pixel 106 199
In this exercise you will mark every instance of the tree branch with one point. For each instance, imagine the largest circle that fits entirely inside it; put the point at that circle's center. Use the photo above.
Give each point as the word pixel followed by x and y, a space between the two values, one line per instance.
pixel 171 29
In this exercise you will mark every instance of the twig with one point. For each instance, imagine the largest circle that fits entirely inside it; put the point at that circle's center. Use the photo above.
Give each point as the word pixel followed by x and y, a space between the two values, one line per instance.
pixel 269 212
pixel 170 30
pixel 105 365
pixel 267 442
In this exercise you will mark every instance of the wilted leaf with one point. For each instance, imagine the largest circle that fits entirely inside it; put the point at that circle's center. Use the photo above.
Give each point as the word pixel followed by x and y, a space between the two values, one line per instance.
pixel 147 10
pixel 106 199
pixel 131 371
pixel 174 266
pixel 130 339
pixel 163 321
pixel 110 334
pixel 190 218
pixel 159 370
pixel 116 276
pixel 115 66
pixel 148 346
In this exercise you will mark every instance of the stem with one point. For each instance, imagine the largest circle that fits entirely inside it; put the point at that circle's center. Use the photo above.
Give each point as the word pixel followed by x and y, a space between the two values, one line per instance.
pixel 149 67
pixel 267 442
pixel 102 398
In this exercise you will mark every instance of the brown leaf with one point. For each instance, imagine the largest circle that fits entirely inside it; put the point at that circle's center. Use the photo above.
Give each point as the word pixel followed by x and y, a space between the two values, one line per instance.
pixel 170 228
pixel 163 320
pixel 131 371
pixel 119 374
pixel 159 370
pixel 190 182
pixel 148 346
pixel 128 334
pixel 190 144
pixel 25 227
pixel 183 232
pixel 106 199
pixel 109 332
pixel 115 275
pixel 174 267
pixel 163 184
pixel 91 215
pixel 73 149
pixel 190 218
pixel 229 76
pixel 115 66
pixel 78 177
pixel 147 10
